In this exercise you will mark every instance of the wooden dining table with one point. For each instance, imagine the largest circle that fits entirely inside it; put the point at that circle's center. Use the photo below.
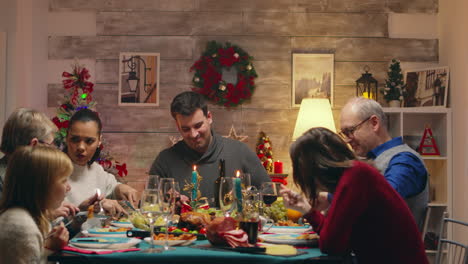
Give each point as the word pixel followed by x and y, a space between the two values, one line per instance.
pixel 200 252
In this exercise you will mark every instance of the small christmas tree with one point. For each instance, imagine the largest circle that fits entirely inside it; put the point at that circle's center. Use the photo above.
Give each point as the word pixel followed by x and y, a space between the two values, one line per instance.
pixel 394 87
pixel 264 151
pixel 78 96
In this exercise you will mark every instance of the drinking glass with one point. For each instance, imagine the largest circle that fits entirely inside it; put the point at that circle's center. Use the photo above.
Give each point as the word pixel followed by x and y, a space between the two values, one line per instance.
pixel 245 179
pixel 269 192
pixel 227 199
pixel 153 182
pixel 250 221
pixel 167 199
pixel 150 209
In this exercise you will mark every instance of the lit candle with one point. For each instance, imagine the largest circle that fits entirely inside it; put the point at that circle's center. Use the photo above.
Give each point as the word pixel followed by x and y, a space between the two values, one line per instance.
pixel 194 181
pixel 278 167
pixel 365 94
pixel 238 190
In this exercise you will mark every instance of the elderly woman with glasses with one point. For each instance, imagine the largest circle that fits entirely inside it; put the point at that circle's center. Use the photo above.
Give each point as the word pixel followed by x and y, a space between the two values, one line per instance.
pixel 366 217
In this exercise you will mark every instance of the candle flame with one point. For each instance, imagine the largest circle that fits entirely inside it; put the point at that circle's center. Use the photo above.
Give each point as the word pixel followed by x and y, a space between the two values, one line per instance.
pixel 194 167
pixel 238 173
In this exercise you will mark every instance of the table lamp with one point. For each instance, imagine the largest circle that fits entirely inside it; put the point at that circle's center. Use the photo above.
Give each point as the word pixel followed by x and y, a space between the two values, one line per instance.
pixel 314 112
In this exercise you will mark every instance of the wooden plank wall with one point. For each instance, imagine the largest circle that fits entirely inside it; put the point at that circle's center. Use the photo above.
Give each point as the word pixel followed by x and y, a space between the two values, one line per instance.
pixel 356 31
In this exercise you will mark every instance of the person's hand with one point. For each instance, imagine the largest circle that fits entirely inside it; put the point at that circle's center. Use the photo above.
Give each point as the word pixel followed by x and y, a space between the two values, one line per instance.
pixel 90 201
pixel 57 238
pixel 295 201
pixel 66 209
pixel 125 192
pixel 112 208
pixel 184 198
pixel 322 203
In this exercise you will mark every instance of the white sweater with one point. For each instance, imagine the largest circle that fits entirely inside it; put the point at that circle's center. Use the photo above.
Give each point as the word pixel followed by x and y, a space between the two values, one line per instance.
pixel 85 179
pixel 20 239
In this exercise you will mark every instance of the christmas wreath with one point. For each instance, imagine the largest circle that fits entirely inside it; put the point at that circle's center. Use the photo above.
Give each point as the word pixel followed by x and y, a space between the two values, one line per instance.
pixel 208 77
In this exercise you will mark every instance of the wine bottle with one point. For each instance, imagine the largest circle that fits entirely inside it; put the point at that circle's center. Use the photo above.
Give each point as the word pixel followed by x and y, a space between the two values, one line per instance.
pixel 222 174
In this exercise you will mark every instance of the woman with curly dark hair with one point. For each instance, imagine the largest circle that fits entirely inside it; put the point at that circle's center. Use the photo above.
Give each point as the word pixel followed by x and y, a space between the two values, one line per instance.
pixel 366 217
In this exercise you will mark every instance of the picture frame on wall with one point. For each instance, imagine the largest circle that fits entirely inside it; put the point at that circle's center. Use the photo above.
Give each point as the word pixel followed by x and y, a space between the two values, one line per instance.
pixel 312 77
pixel 427 87
pixel 139 79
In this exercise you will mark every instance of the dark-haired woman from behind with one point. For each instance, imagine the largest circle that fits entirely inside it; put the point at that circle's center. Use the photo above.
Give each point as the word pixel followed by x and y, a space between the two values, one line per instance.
pixel 82 146
pixel 366 217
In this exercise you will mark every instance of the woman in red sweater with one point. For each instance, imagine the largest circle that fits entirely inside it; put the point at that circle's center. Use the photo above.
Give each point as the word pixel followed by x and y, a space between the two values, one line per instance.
pixel 366 217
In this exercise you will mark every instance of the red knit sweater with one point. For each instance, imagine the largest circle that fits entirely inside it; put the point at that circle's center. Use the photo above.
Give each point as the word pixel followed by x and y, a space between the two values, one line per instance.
pixel 368 217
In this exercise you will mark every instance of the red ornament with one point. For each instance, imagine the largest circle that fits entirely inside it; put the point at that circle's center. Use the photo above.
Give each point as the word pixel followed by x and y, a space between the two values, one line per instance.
pixel 428 146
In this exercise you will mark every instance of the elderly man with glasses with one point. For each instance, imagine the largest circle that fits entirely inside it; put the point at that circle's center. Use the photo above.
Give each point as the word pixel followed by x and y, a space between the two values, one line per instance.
pixel 364 128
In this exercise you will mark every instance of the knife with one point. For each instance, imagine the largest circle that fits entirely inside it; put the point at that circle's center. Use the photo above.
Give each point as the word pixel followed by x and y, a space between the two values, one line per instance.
pixel 142 233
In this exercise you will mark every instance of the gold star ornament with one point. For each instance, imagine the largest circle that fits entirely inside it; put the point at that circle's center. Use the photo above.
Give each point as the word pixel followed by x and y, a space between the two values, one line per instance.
pixel 233 135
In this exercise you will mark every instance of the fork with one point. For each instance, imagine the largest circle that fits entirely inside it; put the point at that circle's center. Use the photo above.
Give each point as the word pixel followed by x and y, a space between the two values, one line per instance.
pixel 101 210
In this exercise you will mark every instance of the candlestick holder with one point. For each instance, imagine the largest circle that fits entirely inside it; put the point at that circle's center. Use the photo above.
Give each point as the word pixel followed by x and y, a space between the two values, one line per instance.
pixel 198 200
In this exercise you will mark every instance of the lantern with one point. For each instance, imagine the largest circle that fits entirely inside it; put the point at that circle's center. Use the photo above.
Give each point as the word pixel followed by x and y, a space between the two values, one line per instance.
pixel 366 85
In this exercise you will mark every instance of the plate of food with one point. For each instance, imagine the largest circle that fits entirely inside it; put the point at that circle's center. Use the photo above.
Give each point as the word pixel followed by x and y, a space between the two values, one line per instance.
pixel 291 239
pixel 107 232
pixel 104 242
pixel 122 222
pixel 287 229
pixel 173 240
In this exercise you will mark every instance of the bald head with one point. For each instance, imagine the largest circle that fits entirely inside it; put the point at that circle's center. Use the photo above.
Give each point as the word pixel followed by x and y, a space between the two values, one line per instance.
pixel 364 108
pixel 363 122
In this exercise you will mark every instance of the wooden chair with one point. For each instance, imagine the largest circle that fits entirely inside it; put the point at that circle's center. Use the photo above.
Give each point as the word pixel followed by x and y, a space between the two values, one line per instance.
pixel 448 249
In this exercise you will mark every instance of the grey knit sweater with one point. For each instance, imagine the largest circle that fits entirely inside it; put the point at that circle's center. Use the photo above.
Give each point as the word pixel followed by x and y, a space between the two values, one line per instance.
pixel 177 162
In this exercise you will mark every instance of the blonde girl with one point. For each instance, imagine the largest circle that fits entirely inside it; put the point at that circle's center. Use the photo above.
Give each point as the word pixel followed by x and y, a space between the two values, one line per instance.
pixel 36 183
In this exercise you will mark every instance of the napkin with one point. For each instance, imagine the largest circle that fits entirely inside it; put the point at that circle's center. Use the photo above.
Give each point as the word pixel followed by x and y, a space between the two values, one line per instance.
pixel 87 251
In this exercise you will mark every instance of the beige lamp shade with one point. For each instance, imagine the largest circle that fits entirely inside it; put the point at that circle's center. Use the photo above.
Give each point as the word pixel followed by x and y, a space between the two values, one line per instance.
pixel 314 112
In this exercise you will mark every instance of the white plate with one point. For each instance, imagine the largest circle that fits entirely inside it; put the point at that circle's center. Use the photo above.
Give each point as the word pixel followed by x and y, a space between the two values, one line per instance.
pixel 103 232
pixel 289 239
pixel 287 229
pixel 171 242
pixel 105 242
pixel 122 224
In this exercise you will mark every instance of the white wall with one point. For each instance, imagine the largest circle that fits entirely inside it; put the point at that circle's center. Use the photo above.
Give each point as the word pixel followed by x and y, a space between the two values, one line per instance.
pixel 453 43
pixel 31 54
pixel 7 25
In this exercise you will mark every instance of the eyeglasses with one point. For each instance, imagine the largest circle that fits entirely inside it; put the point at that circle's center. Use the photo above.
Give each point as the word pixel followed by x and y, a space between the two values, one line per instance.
pixel 51 144
pixel 349 131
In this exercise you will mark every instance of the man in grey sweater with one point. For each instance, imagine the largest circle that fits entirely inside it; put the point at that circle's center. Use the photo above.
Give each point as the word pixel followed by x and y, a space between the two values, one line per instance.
pixel 202 147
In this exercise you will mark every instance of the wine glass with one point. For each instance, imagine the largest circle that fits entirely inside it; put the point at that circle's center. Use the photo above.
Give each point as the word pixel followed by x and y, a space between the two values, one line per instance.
pixel 167 199
pixel 269 192
pixel 153 181
pixel 226 196
pixel 150 209
pixel 246 181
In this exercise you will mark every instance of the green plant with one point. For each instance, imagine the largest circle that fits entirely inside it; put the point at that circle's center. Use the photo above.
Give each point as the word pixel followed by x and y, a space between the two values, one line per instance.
pixel 394 87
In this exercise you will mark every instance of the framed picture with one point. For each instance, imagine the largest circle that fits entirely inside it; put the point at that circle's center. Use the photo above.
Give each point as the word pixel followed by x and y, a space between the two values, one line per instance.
pixel 139 79
pixel 312 77
pixel 427 87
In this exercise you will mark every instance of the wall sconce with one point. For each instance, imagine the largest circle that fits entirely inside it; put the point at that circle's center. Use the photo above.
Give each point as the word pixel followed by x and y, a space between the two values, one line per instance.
pixel 133 80
pixel 366 85
pixel 314 112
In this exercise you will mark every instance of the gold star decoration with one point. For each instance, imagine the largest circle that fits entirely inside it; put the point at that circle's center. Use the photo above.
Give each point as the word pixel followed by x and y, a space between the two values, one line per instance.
pixel 233 135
